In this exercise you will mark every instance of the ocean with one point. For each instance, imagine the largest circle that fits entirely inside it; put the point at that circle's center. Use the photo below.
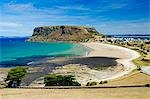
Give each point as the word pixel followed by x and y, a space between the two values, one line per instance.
pixel 18 52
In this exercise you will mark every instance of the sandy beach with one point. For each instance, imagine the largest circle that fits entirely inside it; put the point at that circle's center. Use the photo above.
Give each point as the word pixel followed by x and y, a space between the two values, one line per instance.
pixel 124 55
pixel 100 55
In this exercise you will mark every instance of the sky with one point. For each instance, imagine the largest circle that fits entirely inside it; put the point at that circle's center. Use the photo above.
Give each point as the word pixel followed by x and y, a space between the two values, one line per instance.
pixel 20 17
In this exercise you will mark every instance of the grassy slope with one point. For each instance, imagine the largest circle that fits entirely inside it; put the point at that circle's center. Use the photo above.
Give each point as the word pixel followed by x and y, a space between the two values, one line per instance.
pixel 139 62
pixel 134 78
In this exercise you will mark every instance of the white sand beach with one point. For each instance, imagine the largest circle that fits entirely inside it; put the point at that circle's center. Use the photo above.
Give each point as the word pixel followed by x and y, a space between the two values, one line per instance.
pixel 124 55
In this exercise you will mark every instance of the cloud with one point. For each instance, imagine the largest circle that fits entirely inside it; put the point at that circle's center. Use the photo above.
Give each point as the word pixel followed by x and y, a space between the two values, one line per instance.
pixel 73 7
pixel 125 27
pixel 102 14
pixel 13 29
pixel 10 25
pixel 25 13
pixel 18 7
pixel 111 6
pixel 117 6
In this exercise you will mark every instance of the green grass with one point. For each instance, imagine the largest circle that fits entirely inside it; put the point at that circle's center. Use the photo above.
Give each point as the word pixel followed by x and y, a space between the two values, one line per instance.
pixel 139 61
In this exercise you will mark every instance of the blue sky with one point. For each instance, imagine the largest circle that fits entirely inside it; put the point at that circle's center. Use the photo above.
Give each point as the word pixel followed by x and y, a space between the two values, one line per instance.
pixel 19 17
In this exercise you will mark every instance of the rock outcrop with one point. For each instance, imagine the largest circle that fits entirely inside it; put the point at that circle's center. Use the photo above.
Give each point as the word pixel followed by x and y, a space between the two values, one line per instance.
pixel 63 33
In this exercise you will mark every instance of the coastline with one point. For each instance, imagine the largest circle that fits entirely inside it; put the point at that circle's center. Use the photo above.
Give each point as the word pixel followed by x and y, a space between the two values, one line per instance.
pixel 85 74
pixel 108 51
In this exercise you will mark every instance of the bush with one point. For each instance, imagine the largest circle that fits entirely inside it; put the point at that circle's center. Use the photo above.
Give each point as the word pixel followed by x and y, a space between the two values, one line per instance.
pixel 14 76
pixel 147 85
pixel 88 84
pixel 91 83
pixel 102 82
pixel 60 80
pixel 139 68
pixel 105 81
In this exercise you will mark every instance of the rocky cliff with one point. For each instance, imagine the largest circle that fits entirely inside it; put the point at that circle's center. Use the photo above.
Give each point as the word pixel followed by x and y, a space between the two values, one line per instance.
pixel 63 33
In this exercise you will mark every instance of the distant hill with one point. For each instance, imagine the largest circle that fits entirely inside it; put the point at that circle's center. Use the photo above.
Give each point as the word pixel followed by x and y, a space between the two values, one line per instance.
pixel 64 33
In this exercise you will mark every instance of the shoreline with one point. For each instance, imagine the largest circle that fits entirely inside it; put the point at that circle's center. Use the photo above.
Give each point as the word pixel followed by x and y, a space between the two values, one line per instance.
pixel 125 61
pixel 100 50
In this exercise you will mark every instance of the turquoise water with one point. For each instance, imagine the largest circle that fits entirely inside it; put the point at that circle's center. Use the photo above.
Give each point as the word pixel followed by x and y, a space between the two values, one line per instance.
pixel 15 51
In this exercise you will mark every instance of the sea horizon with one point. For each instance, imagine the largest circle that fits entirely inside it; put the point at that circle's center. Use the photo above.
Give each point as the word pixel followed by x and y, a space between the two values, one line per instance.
pixel 129 35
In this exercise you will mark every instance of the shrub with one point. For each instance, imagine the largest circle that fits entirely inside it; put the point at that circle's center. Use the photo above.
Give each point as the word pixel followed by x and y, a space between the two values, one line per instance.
pixel 139 68
pixel 14 76
pixel 91 83
pixel 60 80
pixel 88 84
pixel 105 81
pixel 147 85
pixel 102 82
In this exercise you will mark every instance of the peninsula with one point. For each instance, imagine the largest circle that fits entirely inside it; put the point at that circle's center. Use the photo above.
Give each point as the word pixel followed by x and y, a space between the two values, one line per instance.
pixel 64 33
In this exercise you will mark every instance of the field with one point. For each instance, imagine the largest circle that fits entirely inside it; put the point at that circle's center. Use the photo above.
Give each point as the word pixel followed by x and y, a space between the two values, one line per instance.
pixel 111 93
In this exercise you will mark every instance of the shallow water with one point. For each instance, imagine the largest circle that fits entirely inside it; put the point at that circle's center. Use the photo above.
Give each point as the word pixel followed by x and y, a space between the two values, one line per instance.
pixel 16 51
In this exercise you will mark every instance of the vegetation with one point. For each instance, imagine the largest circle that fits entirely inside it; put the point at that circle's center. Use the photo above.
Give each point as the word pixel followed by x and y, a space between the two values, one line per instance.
pixel 14 76
pixel 105 36
pixel 103 82
pixel 60 80
pixel 143 60
pixel 134 78
pixel 91 83
pixel 142 47
pixel 147 85
pixel 64 33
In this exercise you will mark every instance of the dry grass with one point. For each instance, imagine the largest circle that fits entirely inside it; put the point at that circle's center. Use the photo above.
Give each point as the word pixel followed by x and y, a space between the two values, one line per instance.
pixel 112 93
pixel 134 78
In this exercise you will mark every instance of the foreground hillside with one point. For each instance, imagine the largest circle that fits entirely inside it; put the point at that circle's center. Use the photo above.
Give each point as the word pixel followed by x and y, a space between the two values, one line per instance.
pixel 64 33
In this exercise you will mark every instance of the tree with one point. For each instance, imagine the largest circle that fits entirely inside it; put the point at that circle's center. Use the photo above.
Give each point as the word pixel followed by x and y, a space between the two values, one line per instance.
pixel 60 80
pixel 14 76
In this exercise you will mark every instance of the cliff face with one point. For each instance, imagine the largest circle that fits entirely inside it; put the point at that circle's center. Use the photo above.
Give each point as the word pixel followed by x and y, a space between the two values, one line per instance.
pixel 63 33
